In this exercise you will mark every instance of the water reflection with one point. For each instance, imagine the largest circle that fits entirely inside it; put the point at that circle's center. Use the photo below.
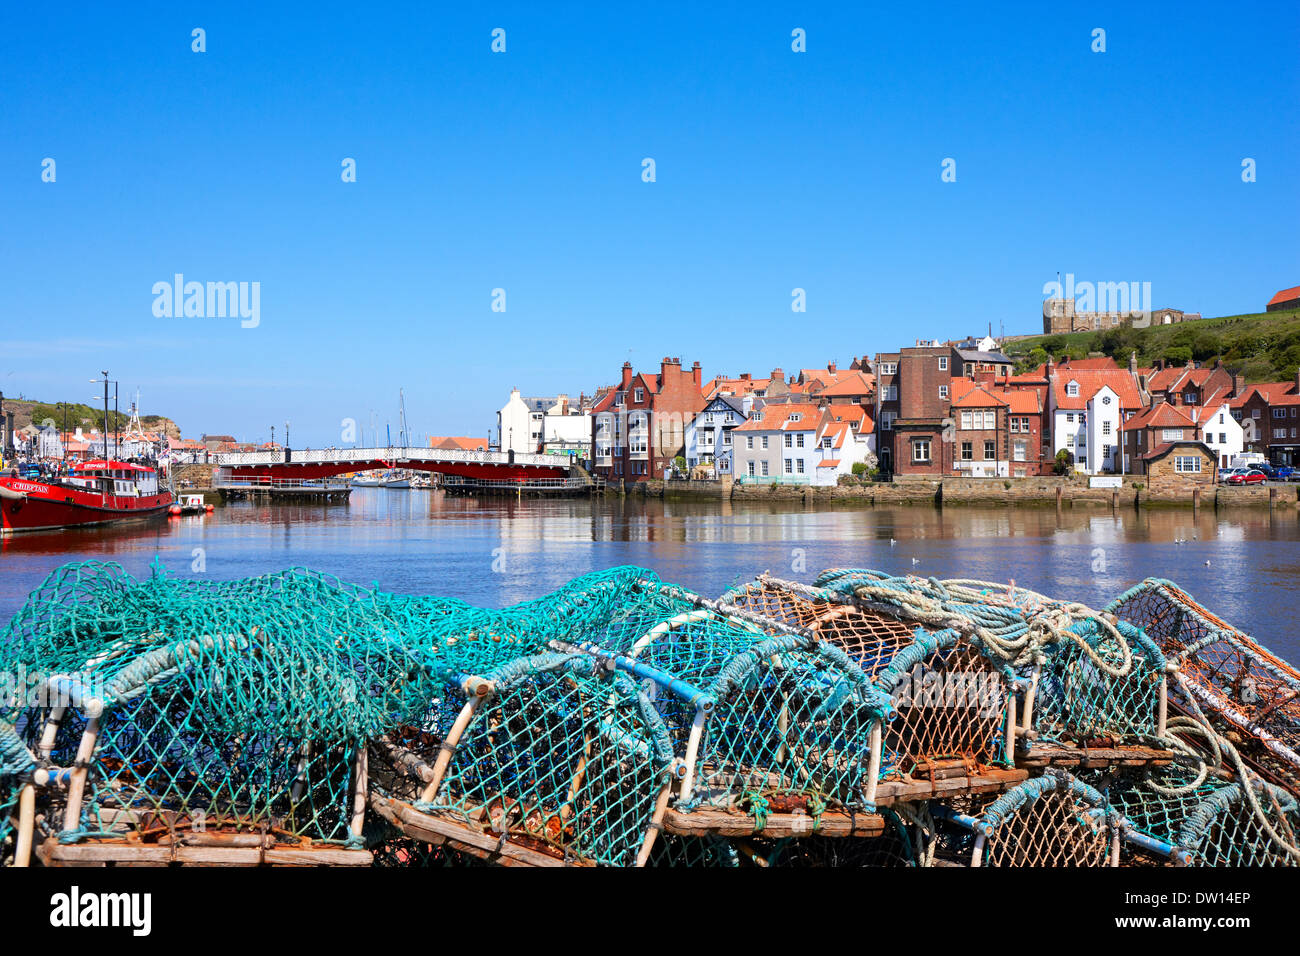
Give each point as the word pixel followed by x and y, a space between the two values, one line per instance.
pixel 1245 565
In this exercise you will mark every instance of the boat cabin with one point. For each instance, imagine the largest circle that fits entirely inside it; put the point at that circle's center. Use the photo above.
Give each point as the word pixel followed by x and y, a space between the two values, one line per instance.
pixel 124 479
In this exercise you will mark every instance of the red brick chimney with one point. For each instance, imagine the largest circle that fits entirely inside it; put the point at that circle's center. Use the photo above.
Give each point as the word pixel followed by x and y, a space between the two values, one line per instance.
pixel 778 375
pixel 627 375
pixel 698 373
pixel 830 367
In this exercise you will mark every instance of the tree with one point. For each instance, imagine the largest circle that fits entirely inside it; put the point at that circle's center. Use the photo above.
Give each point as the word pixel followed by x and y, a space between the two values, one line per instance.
pixel 1064 462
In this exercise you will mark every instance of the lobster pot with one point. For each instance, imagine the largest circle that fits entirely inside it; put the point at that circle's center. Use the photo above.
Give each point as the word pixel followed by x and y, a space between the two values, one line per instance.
pixel 1228 828
pixel 795 726
pixel 951 700
pixel 556 754
pixel 1098 687
pixel 769 718
pixel 1052 820
pixel 160 755
pixel 1224 673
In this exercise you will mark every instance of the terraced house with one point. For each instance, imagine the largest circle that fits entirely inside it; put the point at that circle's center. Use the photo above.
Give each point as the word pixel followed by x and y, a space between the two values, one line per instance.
pixel 639 427
pixel 798 443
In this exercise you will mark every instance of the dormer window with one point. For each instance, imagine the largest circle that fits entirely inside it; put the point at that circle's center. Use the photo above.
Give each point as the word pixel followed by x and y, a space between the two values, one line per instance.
pixel 1072 389
pixel 795 416
pixel 638 395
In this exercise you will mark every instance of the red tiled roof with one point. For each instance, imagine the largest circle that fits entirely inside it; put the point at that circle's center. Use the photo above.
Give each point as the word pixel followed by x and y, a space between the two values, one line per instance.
pixel 776 417
pixel 1100 362
pixel 1271 392
pixel 1090 382
pixel 1163 415
pixel 1286 295
pixel 855 383
pixel 829 463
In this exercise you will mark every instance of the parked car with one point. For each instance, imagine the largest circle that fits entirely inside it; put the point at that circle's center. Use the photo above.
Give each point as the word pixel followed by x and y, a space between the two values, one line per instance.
pixel 1285 473
pixel 1247 476
pixel 1226 473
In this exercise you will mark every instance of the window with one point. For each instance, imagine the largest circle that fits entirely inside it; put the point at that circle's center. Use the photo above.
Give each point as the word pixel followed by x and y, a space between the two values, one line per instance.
pixel 726 438
pixel 1171 434
pixel 1018 450
pixel 1223 438
pixel 1072 389
pixel 891 393
pixel 1105 428
pixel 828 442
pixel 764 464
pixel 990 449
pixel 943 392
pixel 749 441
pixel 1069 418
pixel 789 466
pixel 990 419
pixel 921 450
pixel 887 421
pixel 1220 418
pixel 943 363
pixel 764 443
pixel 798 440
pixel 1187 464
pixel 966 453
pixel 1254 413
pixel 965 421
pixel 794 417
pixel 789 441
pixel 1189 398
pixel 638 395
pixel 799 465
pixel 1279 432
pixel 888 368
pixel 749 468
pixel 1279 413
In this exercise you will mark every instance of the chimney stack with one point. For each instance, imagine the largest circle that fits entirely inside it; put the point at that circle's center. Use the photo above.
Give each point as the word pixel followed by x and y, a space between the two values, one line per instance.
pixel 627 375
pixel 698 374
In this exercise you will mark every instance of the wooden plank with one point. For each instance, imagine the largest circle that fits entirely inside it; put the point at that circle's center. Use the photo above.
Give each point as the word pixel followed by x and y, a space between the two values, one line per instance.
pixel 735 823
pixel 54 853
pixel 1055 755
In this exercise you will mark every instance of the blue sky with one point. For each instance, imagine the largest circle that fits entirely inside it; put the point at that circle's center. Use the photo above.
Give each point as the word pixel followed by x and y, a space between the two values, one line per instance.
pixel 522 171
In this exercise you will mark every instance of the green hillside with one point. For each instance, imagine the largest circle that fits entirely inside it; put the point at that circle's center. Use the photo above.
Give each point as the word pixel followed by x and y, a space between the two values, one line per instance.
pixel 1263 347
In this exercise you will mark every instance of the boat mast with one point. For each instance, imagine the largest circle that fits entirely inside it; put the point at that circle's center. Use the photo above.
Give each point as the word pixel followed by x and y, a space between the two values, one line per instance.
pixel 401 411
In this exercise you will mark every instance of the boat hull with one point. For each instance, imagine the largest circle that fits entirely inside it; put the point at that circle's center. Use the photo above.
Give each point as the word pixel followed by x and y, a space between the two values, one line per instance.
pixel 38 506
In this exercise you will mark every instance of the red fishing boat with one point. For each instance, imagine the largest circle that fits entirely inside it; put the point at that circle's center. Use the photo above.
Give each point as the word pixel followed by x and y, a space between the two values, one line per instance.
pixel 91 493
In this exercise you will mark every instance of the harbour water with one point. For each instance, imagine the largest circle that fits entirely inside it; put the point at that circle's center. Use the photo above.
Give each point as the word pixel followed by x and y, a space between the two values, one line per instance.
pixel 1245 565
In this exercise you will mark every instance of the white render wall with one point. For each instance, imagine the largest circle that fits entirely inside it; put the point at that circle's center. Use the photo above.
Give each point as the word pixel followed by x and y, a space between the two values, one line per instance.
pixel 513 425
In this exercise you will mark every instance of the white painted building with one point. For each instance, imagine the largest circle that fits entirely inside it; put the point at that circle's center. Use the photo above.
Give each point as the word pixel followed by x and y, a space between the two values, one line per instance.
pixel 514 426
pixel 1088 407
pixel 1223 433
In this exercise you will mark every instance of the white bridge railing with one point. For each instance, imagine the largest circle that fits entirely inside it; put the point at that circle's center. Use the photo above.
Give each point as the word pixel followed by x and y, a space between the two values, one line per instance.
pixel 392 457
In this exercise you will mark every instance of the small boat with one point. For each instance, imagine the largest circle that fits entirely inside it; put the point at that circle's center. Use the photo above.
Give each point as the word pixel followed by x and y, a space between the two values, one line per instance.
pixel 91 493
pixel 189 505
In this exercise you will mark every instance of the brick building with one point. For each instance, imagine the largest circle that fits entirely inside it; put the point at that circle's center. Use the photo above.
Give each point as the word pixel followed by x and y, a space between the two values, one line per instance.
pixel 886 407
pixel 639 427
pixel 924 385
pixel 1269 414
